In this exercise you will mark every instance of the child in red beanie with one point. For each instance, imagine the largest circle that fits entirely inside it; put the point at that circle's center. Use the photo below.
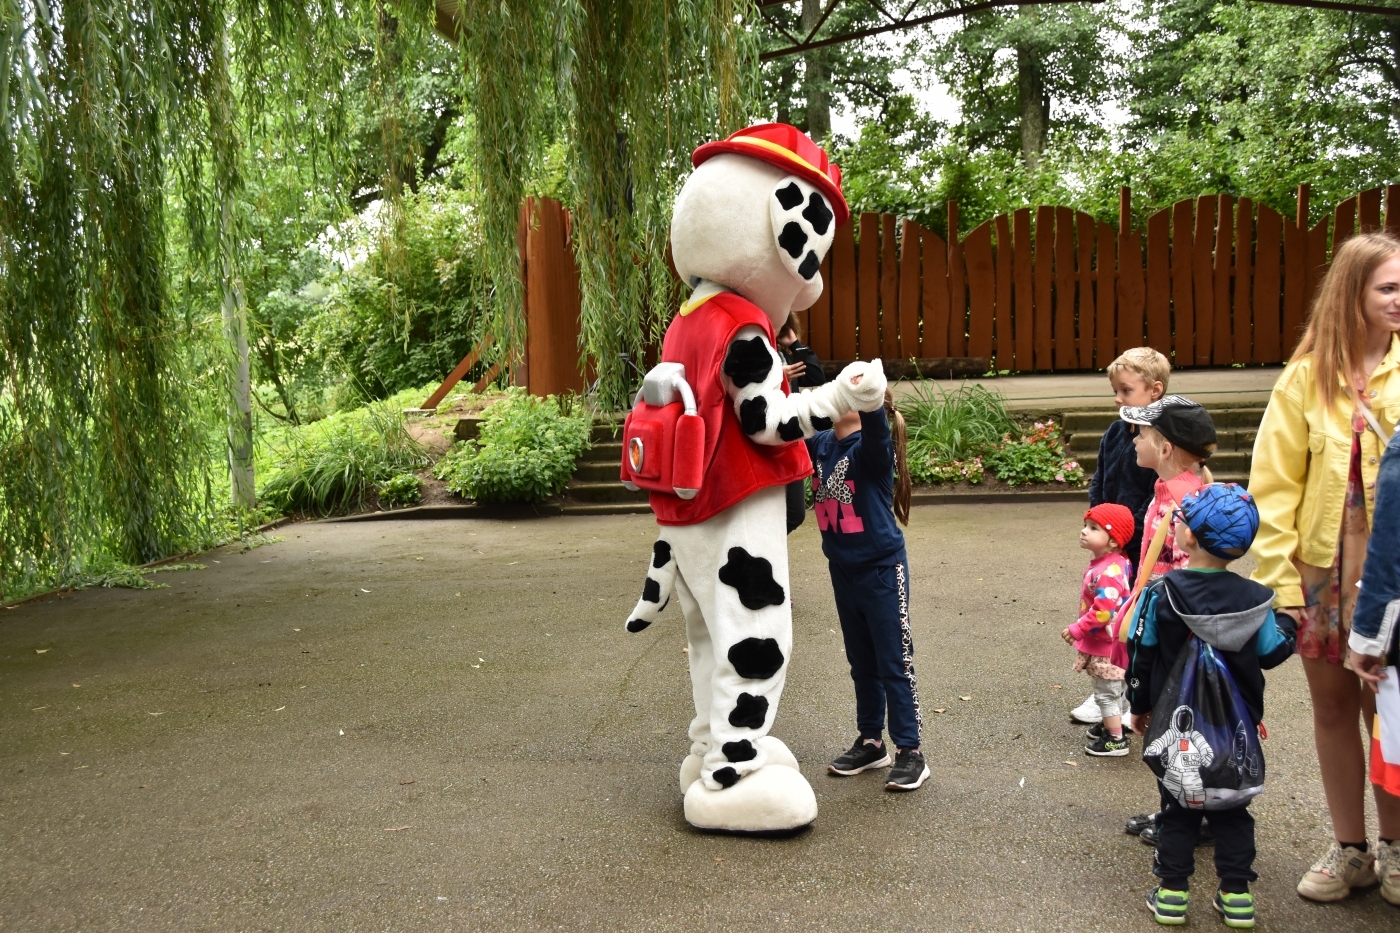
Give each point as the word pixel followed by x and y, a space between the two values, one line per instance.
pixel 1108 527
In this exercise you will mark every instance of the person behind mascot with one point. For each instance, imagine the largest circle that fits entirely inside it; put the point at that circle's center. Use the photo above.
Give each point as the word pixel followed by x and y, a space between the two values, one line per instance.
pixel 750 228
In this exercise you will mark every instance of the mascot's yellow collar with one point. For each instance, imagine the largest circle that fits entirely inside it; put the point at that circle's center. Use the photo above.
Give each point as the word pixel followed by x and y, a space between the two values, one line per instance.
pixel 703 293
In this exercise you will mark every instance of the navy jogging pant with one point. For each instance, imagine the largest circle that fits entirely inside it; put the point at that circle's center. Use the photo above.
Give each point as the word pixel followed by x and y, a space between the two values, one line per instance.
pixel 873 605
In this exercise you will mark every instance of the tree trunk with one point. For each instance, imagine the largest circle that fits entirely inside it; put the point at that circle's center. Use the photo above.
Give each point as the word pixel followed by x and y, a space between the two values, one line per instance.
pixel 814 84
pixel 235 314
pixel 1033 102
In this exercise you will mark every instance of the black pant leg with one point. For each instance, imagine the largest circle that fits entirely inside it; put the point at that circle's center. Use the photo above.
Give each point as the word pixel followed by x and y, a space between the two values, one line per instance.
pixel 796 504
pixel 1177 831
pixel 1234 848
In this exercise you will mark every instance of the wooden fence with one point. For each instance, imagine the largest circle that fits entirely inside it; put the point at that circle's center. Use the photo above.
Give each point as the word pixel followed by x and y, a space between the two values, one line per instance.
pixel 552 301
pixel 1222 280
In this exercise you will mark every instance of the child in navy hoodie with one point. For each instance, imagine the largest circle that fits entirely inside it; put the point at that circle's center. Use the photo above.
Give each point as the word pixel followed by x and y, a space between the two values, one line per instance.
pixel 860 484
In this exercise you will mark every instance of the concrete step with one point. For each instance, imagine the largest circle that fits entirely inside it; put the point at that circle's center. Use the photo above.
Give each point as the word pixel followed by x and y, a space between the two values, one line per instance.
pixel 1075 421
pixel 603 452
pixel 1241 439
pixel 603 492
pixel 599 471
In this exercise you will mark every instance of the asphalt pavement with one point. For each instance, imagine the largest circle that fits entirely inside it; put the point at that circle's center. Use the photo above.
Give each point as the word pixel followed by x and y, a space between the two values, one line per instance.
pixel 443 726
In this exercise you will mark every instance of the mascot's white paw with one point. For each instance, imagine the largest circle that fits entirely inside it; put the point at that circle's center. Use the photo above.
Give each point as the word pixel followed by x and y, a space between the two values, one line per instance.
pixel 772 798
pixel 778 754
pixel 690 771
pixel 869 393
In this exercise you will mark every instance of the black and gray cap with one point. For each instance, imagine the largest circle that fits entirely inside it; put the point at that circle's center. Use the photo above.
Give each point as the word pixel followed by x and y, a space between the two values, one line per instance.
pixel 1183 422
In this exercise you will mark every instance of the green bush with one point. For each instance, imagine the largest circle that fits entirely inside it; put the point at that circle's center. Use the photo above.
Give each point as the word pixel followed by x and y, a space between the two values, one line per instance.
pixel 1039 457
pixel 328 466
pixel 525 453
pixel 949 430
pixel 404 489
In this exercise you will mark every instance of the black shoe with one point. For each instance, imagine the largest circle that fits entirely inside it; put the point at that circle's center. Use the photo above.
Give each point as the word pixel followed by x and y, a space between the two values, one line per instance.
pixel 862 756
pixel 1094 731
pixel 1204 838
pixel 909 771
pixel 1106 746
pixel 1140 822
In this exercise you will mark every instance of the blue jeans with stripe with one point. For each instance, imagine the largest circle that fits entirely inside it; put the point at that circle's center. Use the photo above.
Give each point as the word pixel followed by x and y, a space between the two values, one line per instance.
pixel 873 605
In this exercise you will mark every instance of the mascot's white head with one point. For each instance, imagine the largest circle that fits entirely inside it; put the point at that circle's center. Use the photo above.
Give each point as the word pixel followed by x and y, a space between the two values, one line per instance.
pixel 757 216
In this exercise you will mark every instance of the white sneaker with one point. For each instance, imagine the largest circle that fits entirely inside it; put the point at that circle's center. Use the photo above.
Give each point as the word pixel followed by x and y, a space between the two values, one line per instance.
pixel 1388 871
pixel 1087 712
pixel 1338 871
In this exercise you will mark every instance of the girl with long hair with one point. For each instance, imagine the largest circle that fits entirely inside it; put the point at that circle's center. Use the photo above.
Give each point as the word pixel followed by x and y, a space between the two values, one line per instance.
pixel 861 486
pixel 1313 476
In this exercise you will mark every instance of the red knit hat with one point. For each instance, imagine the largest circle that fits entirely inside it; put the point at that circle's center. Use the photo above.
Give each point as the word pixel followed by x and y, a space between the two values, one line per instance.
pixel 1114 519
pixel 788 148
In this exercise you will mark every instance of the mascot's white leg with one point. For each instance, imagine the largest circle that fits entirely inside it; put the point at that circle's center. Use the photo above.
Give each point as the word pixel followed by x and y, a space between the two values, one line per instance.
pixel 732 578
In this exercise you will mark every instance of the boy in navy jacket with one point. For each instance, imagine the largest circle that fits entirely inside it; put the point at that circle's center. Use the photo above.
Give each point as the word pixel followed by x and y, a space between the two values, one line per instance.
pixel 1234 616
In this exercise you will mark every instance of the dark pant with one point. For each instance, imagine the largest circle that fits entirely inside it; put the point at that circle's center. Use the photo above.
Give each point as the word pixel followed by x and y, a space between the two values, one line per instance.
pixel 1177 830
pixel 873 604
pixel 796 504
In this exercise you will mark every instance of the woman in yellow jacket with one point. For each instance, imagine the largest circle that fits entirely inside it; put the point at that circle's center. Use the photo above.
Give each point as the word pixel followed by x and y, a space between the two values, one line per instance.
pixel 1313 476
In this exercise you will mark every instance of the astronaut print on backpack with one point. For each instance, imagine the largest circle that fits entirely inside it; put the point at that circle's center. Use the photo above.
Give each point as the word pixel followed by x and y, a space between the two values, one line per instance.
pixel 750 229
pixel 1183 752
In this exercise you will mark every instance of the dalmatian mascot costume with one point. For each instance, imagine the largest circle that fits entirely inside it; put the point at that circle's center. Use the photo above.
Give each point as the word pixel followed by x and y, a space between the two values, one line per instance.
pixel 715 436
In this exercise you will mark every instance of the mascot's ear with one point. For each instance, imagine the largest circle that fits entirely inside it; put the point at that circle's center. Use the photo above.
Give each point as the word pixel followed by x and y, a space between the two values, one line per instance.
pixel 803 225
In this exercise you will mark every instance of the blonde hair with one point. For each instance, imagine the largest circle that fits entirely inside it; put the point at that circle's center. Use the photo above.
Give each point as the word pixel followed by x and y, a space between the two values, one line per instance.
pixel 903 486
pixel 1171 453
pixel 1337 325
pixel 1145 362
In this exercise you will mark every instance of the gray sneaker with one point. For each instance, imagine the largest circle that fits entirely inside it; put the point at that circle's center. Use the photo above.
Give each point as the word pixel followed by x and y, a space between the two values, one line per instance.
pixel 909 771
pixel 862 756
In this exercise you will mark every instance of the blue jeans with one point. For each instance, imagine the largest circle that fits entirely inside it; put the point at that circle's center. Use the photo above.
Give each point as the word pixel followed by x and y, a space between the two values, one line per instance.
pixel 873 605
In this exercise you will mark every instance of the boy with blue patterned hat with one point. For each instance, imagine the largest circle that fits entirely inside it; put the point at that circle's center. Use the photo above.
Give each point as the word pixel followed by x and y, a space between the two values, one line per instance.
pixel 1233 615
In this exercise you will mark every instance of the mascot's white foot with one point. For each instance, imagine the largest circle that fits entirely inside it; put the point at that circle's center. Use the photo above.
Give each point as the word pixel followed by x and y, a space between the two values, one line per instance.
pixel 773 798
pixel 778 754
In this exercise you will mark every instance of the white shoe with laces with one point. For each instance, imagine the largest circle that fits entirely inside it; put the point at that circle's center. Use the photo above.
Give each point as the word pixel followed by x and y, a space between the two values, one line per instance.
pixel 1333 876
pixel 1388 871
pixel 1087 712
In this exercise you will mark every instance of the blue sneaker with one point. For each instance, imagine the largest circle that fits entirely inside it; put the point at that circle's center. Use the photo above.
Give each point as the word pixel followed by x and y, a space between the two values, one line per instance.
pixel 1169 907
pixel 1237 909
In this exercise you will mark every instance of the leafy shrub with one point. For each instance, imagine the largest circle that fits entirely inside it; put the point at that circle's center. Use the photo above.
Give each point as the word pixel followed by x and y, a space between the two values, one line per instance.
pixel 949 431
pixel 937 470
pixel 328 466
pixel 525 452
pixel 1039 457
pixel 404 489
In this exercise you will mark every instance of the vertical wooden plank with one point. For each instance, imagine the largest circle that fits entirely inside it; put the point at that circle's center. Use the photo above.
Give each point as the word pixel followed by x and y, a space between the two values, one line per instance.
pixel 843 293
pixel 1222 349
pixel 1043 270
pixel 1368 211
pixel 981 290
pixel 819 316
pixel 1343 223
pixel 1065 355
pixel 889 289
pixel 1317 259
pixel 868 287
pixel 957 287
pixel 1392 209
pixel 550 365
pixel 1183 307
pixel 1132 292
pixel 1105 295
pixel 1023 310
pixel 908 290
pixel 1242 348
pixel 1158 293
pixel 1268 288
pixel 1004 347
pixel 1295 285
pixel 1202 277
pixel 1084 286
pixel 934 339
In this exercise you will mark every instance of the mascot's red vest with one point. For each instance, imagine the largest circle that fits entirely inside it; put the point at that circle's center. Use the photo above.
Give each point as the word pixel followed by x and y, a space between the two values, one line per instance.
pixel 732 466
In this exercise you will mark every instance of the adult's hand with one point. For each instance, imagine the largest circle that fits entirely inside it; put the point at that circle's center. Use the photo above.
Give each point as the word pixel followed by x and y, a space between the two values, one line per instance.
pixel 1368 667
pixel 1140 723
pixel 793 370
